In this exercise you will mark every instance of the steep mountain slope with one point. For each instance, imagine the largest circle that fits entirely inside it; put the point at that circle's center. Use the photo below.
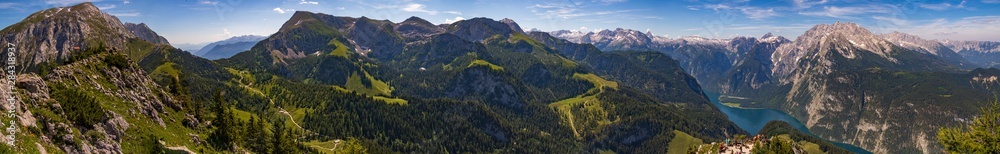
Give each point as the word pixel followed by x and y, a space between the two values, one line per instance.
pixel 752 65
pixel 94 99
pixel 517 93
pixel 844 82
pixel 80 26
pixel 228 51
pixel 849 85
pixel 930 47
pixel 143 32
pixel 983 53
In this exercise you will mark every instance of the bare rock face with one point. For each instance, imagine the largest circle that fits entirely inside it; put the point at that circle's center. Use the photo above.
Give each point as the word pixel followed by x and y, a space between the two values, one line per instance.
pixel 983 53
pixel 143 32
pixel 131 85
pixel 376 38
pixel 54 33
pixel 845 38
pixel 929 47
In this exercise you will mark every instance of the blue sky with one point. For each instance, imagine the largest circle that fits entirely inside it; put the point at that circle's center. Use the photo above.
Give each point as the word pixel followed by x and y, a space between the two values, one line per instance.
pixel 200 21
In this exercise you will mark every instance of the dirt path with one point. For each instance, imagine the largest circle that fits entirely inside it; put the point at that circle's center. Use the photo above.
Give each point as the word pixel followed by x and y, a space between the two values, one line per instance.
pixel 282 110
pixel 181 148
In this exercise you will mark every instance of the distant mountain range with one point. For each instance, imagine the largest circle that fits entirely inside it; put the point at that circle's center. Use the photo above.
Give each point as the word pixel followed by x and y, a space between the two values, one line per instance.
pixel 835 75
pixel 228 47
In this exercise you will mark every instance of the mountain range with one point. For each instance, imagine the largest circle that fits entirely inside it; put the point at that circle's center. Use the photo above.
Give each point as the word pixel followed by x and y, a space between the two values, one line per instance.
pixel 92 84
pixel 228 47
pixel 841 80
pixel 477 85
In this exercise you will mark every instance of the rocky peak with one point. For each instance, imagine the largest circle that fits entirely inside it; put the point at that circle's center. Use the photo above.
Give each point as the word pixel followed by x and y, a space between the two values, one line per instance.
pixel 973 46
pixel 513 25
pixel 845 38
pixel 767 35
pixel 478 29
pixel 916 43
pixel 619 39
pixel 415 27
pixel 144 32
pixel 297 19
pixel 417 20
pixel 54 32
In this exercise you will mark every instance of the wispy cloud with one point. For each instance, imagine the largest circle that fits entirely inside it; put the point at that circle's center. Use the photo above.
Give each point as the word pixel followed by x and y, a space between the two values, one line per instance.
pixel 805 4
pixel 308 2
pixel 893 21
pixel 207 2
pixel 568 10
pixel 7 5
pixel 749 11
pixel 415 7
pixel 967 28
pixel 130 14
pixel 991 1
pixel 106 7
pixel 757 13
pixel 942 6
pixel 849 12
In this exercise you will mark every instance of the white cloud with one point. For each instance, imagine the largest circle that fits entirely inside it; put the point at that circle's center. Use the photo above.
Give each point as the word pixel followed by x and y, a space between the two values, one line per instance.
pixel 133 14
pixel 750 12
pixel 849 12
pixel 757 13
pixel 282 11
pixel 7 5
pixel 225 32
pixel 207 2
pixel 805 4
pixel 568 10
pixel 106 7
pixel 894 21
pixel 942 6
pixel 126 2
pixel 415 7
pixel 717 7
pixel 982 28
pixel 308 2
pixel 341 8
pixel 991 1
pixel 449 21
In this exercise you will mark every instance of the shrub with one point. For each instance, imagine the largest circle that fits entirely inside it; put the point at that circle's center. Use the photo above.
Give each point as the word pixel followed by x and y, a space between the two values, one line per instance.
pixel 79 107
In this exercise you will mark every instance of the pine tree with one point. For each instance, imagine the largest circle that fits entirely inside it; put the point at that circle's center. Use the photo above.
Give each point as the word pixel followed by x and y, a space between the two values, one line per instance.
pixel 980 136
pixel 257 136
pixel 222 137
pixel 277 138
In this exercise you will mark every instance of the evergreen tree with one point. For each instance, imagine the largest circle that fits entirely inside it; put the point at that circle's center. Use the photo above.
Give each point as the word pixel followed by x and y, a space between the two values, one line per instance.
pixel 222 137
pixel 257 136
pixel 277 139
pixel 980 136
